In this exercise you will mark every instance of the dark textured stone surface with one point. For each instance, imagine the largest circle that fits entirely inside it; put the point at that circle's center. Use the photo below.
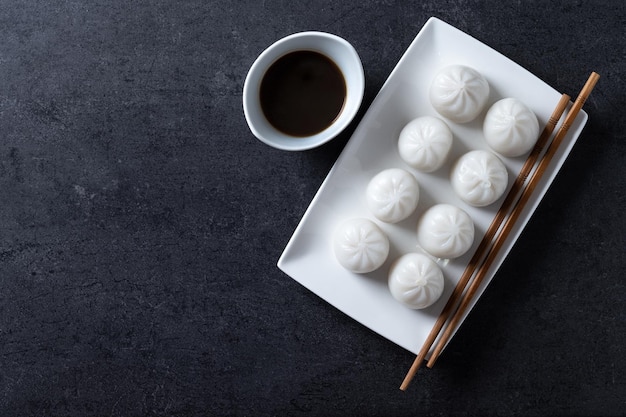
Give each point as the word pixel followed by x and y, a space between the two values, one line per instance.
pixel 140 221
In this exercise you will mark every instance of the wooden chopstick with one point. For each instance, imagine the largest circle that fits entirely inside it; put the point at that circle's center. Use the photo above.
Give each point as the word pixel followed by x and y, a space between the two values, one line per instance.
pixel 517 210
pixel 486 241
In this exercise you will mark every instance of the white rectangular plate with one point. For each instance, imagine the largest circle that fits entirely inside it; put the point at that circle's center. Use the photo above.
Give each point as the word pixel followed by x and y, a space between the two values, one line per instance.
pixel 308 257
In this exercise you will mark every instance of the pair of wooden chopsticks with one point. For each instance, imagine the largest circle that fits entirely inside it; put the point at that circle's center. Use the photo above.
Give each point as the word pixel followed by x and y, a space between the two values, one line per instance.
pixel 488 248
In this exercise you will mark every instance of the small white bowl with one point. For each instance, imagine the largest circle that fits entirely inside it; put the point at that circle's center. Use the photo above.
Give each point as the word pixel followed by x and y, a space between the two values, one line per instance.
pixel 340 51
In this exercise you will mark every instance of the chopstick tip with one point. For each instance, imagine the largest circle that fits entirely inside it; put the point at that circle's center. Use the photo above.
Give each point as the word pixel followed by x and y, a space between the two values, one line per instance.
pixel 590 84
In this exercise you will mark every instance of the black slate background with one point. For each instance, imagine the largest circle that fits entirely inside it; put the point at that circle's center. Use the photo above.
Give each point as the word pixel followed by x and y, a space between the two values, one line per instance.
pixel 141 222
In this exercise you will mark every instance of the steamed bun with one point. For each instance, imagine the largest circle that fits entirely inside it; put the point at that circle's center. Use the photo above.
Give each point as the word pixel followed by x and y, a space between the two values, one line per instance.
pixel 510 127
pixel 424 143
pixel 445 231
pixel 479 178
pixel 392 195
pixel 415 280
pixel 360 245
pixel 459 93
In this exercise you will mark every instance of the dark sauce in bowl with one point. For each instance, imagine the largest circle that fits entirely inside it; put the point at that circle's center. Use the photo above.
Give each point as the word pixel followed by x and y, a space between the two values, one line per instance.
pixel 302 93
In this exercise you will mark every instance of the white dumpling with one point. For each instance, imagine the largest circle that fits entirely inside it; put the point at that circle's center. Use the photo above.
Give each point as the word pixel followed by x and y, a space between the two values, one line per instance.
pixel 479 178
pixel 510 127
pixel 459 93
pixel 360 245
pixel 392 195
pixel 415 280
pixel 445 231
pixel 424 143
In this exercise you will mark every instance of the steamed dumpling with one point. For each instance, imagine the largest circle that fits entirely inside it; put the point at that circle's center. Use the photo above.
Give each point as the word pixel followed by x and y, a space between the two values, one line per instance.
pixel 510 127
pixel 459 93
pixel 360 245
pixel 445 231
pixel 424 143
pixel 392 195
pixel 415 280
pixel 479 178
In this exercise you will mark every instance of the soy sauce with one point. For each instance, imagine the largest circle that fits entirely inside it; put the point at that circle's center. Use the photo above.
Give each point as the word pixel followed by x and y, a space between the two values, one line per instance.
pixel 302 93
